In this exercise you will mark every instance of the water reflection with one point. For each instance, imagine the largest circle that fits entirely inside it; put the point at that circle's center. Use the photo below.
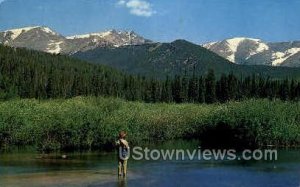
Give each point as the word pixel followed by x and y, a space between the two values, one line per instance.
pixel 122 182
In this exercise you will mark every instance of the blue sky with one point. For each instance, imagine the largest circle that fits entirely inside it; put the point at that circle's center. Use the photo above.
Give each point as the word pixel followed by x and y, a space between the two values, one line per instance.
pixel 198 21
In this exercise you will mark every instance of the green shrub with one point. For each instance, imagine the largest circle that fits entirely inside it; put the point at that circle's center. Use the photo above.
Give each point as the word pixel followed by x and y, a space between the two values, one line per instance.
pixel 93 122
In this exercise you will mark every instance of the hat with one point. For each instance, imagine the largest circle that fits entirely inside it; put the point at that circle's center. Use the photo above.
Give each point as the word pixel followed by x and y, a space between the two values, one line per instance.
pixel 122 134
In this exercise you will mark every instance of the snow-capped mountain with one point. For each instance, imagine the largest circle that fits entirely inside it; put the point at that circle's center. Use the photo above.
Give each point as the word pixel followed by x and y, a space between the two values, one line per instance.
pixel 117 38
pixel 257 52
pixel 45 39
pixel 39 38
pixel 237 50
pixel 110 38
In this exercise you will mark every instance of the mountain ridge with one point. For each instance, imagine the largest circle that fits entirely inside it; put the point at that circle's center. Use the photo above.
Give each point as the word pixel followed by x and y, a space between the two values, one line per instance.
pixel 239 50
pixel 43 38
pixel 251 51
pixel 179 57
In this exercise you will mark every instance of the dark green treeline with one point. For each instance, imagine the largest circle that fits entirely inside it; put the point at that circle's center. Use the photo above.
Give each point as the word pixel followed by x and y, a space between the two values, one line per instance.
pixel 32 74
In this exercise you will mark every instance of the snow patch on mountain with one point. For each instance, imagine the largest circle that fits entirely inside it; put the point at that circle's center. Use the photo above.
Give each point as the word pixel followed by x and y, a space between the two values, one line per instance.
pixel 17 32
pixel 48 30
pixel 261 47
pixel 279 57
pixel 208 45
pixel 54 47
pixel 78 36
pixel 274 54
pixel 83 36
pixel 233 44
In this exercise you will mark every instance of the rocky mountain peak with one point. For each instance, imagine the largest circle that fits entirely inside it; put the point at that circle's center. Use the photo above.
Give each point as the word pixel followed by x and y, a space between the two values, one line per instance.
pixel 251 51
pixel 45 39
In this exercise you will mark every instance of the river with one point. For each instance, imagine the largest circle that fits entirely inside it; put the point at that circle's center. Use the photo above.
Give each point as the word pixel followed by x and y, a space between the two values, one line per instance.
pixel 30 168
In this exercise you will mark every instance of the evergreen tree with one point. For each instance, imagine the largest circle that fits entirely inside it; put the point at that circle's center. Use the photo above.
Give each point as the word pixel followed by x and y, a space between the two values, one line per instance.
pixel 284 90
pixel 193 90
pixel 166 95
pixel 32 74
pixel 222 89
pixel 177 89
pixel 210 87
pixel 232 87
pixel 293 90
pixel 254 87
pixel 201 92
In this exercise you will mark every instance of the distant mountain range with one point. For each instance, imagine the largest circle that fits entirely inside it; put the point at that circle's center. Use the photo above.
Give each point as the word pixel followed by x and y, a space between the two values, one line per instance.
pixel 176 58
pixel 245 51
pixel 47 40
pixel 251 51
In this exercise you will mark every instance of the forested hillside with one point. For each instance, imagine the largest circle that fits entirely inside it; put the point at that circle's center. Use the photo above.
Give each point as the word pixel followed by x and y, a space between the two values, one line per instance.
pixel 177 58
pixel 31 74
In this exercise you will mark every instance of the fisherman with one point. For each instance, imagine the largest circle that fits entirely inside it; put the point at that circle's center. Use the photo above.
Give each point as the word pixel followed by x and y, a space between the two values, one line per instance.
pixel 123 154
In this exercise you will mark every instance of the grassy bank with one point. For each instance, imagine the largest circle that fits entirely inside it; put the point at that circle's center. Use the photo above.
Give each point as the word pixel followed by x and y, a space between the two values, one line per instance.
pixel 90 122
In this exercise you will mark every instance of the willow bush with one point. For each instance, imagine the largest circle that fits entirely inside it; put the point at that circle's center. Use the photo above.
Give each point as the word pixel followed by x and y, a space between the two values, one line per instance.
pixel 94 122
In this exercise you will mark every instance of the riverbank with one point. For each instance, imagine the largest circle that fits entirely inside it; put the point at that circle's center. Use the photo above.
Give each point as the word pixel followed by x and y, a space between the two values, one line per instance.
pixel 94 122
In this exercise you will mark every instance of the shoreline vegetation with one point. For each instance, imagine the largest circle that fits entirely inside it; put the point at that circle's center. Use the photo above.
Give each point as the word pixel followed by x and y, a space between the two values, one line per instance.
pixel 88 123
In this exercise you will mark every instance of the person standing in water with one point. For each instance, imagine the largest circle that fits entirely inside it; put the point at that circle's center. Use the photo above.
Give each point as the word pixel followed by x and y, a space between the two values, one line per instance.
pixel 123 154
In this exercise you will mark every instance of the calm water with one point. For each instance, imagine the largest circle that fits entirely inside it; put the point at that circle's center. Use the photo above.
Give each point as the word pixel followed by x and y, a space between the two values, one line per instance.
pixel 19 168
